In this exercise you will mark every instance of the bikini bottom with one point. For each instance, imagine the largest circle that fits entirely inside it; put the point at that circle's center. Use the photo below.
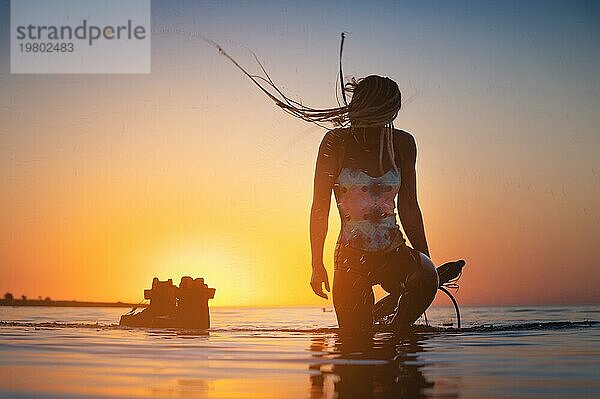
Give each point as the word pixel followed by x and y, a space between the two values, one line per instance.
pixel 389 268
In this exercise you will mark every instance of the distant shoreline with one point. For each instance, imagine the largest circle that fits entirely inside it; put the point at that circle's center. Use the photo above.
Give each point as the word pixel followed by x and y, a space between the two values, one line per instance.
pixel 69 304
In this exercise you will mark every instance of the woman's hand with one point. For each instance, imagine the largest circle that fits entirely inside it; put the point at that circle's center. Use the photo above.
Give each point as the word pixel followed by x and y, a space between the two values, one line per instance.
pixel 317 279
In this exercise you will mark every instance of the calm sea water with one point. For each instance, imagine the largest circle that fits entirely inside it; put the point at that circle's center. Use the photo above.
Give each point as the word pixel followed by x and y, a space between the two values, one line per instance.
pixel 502 352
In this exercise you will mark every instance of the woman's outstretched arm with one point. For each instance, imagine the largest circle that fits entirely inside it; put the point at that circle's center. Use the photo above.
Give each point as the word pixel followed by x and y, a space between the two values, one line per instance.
pixel 326 171
pixel 408 204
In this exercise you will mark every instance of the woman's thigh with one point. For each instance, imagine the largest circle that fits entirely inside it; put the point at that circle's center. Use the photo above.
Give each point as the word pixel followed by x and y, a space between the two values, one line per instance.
pixel 394 269
pixel 353 300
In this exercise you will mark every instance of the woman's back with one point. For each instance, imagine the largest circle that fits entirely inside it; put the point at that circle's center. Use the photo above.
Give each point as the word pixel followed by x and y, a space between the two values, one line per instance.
pixel 365 196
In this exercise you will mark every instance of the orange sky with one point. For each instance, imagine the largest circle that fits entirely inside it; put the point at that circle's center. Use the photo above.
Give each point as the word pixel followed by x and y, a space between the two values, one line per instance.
pixel 109 180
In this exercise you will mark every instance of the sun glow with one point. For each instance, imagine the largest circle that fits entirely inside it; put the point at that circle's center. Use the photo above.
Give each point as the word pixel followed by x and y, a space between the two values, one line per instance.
pixel 222 266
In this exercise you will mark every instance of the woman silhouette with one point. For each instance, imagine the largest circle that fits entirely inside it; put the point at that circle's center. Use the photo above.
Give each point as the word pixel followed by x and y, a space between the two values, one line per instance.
pixel 367 165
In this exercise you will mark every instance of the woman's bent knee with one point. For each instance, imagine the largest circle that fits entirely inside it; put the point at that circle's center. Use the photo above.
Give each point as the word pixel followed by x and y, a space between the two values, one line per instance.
pixel 425 277
pixel 421 288
pixel 429 272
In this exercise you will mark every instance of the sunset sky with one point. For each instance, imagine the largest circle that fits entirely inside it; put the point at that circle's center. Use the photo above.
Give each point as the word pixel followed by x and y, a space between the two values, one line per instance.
pixel 109 180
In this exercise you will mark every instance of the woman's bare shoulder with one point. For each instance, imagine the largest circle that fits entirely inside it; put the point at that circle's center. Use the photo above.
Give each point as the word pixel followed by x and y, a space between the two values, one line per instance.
pixel 334 138
pixel 404 142
pixel 403 136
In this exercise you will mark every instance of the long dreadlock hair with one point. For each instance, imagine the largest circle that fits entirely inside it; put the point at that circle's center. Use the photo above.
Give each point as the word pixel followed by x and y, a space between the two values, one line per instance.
pixel 375 102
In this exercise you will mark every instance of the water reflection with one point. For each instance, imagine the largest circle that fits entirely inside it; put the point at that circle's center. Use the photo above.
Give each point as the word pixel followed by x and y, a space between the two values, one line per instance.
pixel 381 366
